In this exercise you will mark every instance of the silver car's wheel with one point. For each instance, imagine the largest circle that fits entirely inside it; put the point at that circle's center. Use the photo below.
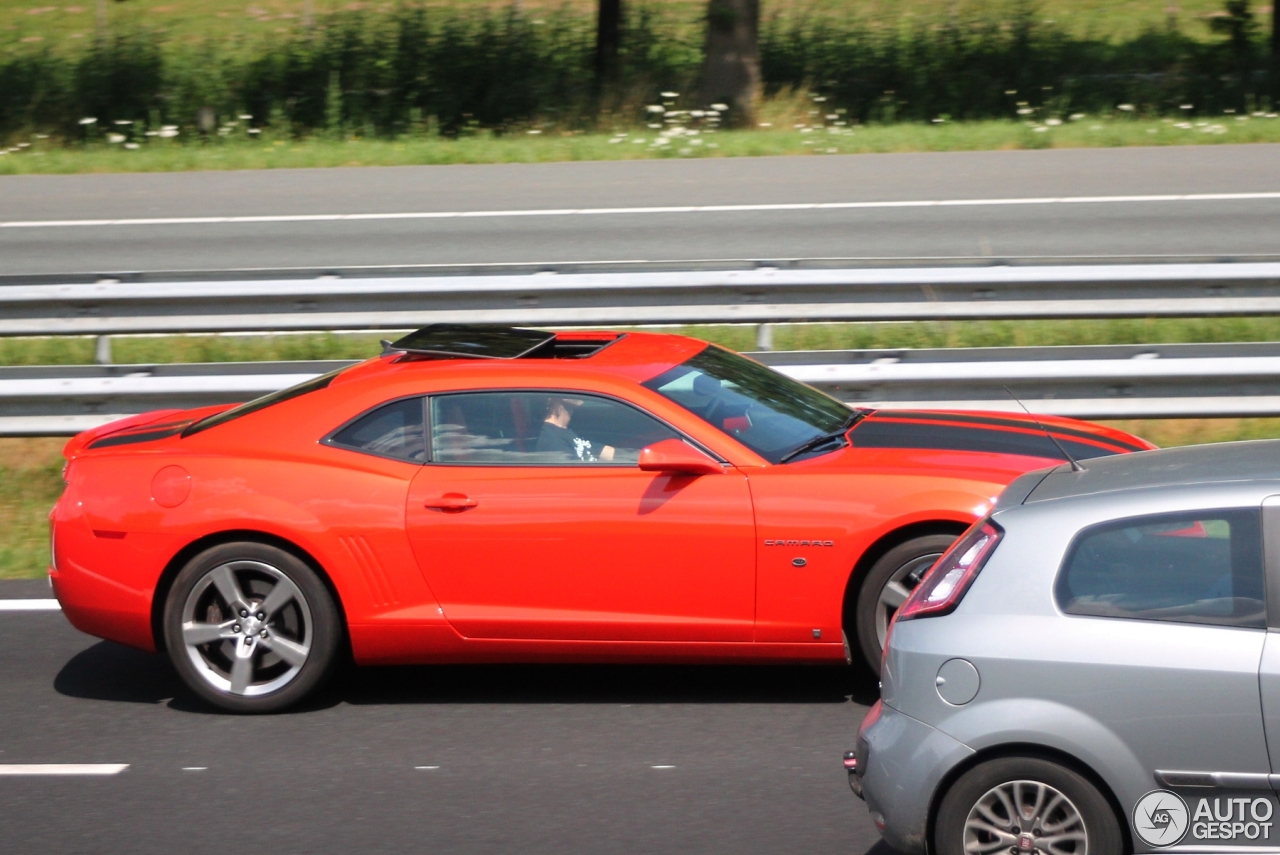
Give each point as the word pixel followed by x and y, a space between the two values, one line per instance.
pixel 1025 806
pixel 246 628
pixel 1025 817
pixel 251 627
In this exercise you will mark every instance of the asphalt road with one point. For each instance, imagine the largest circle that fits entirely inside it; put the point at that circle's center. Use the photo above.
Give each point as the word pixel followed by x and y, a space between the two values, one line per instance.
pixel 1117 225
pixel 426 759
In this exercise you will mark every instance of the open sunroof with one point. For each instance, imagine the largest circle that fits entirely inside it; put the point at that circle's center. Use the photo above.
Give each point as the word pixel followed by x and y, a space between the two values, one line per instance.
pixel 474 341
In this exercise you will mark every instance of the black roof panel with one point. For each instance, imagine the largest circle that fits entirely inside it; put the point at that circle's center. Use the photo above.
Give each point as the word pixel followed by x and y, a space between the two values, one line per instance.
pixel 477 341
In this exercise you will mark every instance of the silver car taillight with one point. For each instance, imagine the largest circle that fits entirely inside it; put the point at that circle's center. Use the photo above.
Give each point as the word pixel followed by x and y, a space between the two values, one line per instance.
pixel 941 589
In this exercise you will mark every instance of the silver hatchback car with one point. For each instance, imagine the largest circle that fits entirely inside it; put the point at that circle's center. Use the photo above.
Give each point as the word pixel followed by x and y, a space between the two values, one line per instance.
pixel 1093 669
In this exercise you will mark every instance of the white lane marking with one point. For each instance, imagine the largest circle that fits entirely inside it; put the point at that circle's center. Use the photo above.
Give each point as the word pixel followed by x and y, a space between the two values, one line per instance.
pixel 194 768
pixel 49 605
pixel 665 209
pixel 662 767
pixel 62 768
pixel 426 767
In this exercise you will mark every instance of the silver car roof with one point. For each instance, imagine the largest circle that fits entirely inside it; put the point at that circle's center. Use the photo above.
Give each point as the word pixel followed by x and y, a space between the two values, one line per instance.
pixel 1222 463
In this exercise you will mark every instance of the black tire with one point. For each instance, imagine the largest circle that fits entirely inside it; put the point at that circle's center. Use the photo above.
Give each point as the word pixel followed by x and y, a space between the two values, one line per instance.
pixel 291 651
pixel 911 558
pixel 1092 813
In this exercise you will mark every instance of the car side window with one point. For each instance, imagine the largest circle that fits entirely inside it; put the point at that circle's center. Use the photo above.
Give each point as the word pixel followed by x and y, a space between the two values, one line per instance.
pixel 539 429
pixel 392 430
pixel 1203 567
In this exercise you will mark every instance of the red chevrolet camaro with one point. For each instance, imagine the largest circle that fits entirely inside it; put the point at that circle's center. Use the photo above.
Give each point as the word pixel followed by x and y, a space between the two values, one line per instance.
pixel 481 494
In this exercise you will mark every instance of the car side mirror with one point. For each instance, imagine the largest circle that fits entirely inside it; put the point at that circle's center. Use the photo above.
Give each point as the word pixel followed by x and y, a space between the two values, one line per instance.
pixel 677 457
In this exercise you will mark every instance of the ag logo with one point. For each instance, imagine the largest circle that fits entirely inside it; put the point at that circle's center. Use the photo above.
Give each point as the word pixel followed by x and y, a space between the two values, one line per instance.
pixel 1160 818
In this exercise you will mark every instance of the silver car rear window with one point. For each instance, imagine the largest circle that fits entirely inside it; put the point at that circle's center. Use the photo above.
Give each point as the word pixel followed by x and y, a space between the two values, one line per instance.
pixel 1203 567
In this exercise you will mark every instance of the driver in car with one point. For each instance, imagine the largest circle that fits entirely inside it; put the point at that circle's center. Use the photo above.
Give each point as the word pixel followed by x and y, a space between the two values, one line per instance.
pixel 557 436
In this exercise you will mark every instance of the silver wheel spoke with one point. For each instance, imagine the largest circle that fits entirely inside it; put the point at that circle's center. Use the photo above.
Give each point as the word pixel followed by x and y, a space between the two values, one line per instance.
pixel 282 593
pixel 979 848
pixel 242 668
pixel 1054 845
pixel 989 815
pixel 1036 811
pixel 1010 809
pixel 225 581
pixel 204 633
pixel 1002 835
pixel 290 651
pixel 894 595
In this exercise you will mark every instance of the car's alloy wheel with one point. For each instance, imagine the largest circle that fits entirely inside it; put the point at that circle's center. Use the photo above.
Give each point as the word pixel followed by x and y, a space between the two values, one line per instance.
pixel 1025 806
pixel 250 627
pixel 1025 816
pixel 888 584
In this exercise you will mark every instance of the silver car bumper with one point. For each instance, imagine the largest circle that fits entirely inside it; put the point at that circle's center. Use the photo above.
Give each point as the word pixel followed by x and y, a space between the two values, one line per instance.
pixel 901 763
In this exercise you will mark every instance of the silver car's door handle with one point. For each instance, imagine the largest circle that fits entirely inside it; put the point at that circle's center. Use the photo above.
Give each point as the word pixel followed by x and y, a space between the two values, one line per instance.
pixel 1220 780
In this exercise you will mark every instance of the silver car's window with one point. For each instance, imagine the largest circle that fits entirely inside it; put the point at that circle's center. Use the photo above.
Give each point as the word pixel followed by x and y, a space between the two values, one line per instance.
pixel 1203 567
pixel 539 429
pixel 394 430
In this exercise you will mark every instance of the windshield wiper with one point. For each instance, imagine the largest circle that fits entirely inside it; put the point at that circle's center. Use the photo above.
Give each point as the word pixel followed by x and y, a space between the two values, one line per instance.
pixel 822 439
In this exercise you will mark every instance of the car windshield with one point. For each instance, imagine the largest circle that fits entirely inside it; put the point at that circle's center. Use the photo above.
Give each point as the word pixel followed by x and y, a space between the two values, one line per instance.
pixel 767 412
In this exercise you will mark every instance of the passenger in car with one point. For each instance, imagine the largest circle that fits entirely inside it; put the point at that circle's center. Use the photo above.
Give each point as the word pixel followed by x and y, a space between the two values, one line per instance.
pixel 557 436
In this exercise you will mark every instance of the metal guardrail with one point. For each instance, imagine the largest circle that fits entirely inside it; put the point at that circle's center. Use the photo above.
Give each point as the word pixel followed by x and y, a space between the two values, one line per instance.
pixel 759 295
pixel 1099 382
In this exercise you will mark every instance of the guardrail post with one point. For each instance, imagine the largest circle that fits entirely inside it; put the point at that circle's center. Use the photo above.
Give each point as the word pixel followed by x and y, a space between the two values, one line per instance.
pixel 102 350
pixel 764 337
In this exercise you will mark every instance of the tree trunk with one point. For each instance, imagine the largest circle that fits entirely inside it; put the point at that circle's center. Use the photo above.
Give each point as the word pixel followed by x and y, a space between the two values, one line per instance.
pixel 1275 53
pixel 731 63
pixel 1275 35
pixel 608 35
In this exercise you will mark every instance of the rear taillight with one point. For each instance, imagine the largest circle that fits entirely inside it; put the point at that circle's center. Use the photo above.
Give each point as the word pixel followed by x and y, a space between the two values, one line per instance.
pixel 940 590
pixel 53 540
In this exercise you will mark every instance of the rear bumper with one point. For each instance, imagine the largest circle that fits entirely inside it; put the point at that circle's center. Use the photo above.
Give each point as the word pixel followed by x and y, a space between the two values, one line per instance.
pixel 902 763
pixel 96 608
pixel 105 585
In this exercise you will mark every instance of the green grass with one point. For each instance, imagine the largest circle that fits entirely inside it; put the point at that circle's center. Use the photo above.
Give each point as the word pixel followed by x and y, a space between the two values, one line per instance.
pixel 127 350
pixel 30 482
pixel 42 156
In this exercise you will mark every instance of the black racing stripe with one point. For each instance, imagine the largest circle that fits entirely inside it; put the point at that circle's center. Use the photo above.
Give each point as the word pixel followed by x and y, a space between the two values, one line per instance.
pixel 996 421
pixel 126 438
pixel 873 434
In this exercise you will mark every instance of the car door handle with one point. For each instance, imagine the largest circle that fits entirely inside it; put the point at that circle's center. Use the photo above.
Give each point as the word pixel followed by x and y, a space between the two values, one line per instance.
pixel 450 502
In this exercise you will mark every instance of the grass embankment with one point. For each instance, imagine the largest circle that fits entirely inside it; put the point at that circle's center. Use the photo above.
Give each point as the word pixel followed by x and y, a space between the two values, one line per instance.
pixel 30 482
pixel 29 468
pixel 70 350
pixel 1085 132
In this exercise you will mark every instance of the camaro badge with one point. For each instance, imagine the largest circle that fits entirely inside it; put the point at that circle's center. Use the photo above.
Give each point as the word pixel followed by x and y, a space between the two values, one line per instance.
pixel 1160 818
pixel 799 543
